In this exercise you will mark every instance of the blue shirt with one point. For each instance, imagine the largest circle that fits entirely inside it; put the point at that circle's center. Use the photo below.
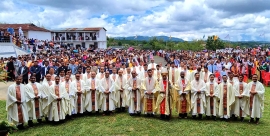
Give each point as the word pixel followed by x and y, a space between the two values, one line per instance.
pixel 212 68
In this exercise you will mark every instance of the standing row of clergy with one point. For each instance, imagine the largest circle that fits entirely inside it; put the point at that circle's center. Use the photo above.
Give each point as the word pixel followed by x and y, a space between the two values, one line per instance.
pixel 151 92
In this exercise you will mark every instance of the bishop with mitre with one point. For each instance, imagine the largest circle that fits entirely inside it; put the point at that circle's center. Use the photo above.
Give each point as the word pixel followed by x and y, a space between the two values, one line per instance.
pixel 164 99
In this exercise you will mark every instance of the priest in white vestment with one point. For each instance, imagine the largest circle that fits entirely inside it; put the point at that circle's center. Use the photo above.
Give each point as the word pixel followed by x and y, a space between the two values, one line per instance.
pixel 198 102
pixel 211 97
pixel 71 93
pixel 101 73
pixel 192 74
pixel 149 94
pixel 58 109
pixel 114 75
pixel 157 73
pixel 120 91
pixel 173 73
pixel 152 64
pixel 107 94
pixel 92 94
pixel 87 74
pixel 226 97
pixel 256 101
pixel 134 94
pixel 78 87
pixel 33 95
pixel 143 74
pixel 16 107
pixel 241 107
pixel 45 96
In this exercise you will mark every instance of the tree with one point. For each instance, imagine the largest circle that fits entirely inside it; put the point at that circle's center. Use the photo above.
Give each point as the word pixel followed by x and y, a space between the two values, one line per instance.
pixel 213 43
pixel 120 43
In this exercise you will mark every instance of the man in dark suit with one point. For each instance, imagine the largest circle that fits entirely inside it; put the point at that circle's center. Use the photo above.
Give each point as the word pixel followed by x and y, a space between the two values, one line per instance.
pixel 45 69
pixel 62 67
pixel 36 71
pixel 23 71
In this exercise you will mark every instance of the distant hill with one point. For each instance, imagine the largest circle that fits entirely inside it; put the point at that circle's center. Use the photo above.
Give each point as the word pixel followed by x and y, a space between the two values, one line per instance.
pixel 147 38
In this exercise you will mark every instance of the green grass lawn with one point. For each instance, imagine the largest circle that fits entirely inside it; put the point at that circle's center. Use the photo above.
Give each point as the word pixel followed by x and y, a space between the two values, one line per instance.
pixel 123 124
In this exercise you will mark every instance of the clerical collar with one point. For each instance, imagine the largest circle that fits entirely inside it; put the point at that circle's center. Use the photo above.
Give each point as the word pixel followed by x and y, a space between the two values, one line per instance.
pixel 93 78
pixel 240 82
pixel 254 82
pixel 134 78
pixel 56 84
pixel 225 82
pixel 211 82
pixel 18 84
pixel 67 81
pixel 33 82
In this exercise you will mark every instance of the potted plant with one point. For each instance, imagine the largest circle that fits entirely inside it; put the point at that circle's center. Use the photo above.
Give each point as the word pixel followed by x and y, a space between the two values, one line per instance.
pixel 6 128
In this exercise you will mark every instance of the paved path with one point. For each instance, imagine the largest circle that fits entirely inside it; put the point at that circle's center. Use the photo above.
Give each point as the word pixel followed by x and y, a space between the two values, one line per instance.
pixel 4 86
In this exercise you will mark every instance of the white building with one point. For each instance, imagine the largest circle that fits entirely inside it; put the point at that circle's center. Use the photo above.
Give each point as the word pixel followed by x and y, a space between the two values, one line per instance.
pixel 93 37
pixel 29 30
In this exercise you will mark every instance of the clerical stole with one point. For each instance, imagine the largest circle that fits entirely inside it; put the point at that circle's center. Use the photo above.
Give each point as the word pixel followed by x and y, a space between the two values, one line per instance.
pixel 158 75
pixel 184 100
pixel 173 76
pixel 107 95
pixel 79 96
pixel 114 77
pixel 225 99
pixel 121 93
pixel 67 87
pixel 57 94
pixel 240 92
pixel 205 77
pixel 93 92
pixel 162 104
pixel 18 97
pixel 251 98
pixel 135 94
pixel 149 100
pixel 211 99
pixel 198 103
pixel 36 100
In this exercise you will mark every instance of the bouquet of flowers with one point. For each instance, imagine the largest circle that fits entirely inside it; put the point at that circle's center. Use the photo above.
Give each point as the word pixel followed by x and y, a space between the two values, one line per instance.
pixel 6 127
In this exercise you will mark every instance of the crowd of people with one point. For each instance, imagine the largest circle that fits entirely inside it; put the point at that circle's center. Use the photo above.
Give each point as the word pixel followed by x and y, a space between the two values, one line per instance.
pixel 67 84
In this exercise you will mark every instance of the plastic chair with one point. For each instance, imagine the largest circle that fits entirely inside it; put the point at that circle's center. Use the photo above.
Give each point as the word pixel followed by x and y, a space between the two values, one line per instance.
pixel 263 73
pixel 267 79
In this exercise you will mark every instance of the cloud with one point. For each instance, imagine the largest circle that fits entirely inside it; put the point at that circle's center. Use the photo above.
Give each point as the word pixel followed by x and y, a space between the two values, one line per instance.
pixel 187 19
pixel 239 6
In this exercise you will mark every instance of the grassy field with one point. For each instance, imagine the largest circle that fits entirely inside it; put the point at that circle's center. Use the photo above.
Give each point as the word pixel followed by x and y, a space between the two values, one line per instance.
pixel 123 124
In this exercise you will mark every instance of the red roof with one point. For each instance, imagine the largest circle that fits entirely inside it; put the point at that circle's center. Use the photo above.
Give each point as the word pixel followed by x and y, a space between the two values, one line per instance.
pixel 25 27
pixel 82 29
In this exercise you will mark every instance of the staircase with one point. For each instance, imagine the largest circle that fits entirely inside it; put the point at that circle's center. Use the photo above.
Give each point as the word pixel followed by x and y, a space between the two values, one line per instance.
pixel 8 49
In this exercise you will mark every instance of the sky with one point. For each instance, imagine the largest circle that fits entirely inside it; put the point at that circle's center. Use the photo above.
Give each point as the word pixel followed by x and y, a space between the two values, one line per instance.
pixel 234 20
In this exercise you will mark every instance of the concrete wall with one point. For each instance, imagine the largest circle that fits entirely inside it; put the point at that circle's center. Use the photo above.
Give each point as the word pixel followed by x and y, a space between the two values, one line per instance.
pixel 102 38
pixel 39 35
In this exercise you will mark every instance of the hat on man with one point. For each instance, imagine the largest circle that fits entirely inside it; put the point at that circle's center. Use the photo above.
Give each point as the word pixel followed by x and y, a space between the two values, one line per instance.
pixel 164 71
